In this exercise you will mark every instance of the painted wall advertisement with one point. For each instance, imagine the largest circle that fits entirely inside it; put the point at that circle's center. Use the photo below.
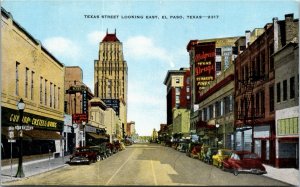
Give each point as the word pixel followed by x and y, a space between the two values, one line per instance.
pixel 204 66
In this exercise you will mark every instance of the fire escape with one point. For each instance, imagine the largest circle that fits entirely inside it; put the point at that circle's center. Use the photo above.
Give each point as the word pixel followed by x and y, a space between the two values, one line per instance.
pixel 248 112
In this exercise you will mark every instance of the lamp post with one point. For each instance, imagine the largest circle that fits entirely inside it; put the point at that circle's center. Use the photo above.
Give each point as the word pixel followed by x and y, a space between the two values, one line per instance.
pixel 83 134
pixel 21 107
pixel 217 126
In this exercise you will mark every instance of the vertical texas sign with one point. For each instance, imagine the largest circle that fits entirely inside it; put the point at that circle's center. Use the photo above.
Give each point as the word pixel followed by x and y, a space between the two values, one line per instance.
pixel 204 66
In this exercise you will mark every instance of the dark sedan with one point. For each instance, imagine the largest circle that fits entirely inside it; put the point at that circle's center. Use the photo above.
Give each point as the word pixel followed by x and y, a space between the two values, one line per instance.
pixel 244 161
pixel 83 155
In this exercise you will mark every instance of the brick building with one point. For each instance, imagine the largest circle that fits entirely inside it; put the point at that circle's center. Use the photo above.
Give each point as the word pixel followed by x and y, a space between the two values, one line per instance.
pixel 254 89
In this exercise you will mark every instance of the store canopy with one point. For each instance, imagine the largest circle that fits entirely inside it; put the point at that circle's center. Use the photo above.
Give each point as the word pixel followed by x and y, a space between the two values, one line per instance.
pixel 97 136
pixel 43 135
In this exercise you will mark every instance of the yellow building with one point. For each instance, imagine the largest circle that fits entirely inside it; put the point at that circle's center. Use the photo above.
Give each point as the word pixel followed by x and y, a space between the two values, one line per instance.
pixel 30 72
pixel 110 76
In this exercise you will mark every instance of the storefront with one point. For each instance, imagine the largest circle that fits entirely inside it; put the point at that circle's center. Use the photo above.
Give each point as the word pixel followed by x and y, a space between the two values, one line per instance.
pixel 45 136
pixel 95 136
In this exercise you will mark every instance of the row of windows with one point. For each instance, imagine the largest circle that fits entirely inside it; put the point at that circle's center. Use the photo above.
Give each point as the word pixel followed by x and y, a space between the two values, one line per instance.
pixel 217 109
pixel 282 91
pixel 54 91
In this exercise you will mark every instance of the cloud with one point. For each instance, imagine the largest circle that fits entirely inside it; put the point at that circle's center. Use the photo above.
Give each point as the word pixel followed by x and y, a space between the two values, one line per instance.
pixel 95 37
pixel 63 47
pixel 141 47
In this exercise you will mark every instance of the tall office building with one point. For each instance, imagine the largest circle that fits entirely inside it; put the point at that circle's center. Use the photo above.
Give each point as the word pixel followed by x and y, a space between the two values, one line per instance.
pixel 111 74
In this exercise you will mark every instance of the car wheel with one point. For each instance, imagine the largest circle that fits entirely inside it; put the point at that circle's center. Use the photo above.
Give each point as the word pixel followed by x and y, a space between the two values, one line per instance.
pixel 98 157
pixel 235 172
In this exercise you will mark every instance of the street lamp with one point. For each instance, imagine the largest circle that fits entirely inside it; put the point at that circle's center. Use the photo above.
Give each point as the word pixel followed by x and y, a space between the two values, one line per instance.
pixel 21 107
pixel 217 126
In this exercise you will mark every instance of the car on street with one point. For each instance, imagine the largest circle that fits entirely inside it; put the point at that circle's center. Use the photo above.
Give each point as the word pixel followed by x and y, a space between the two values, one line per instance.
pixel 182 147
pixel 79 159
pixel 217 159
pixel 83 155
pixel 244 161
pixel 100 150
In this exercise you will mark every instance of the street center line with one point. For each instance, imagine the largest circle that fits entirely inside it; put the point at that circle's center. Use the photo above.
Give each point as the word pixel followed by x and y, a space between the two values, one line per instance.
pixel 155 181
pixel 119 168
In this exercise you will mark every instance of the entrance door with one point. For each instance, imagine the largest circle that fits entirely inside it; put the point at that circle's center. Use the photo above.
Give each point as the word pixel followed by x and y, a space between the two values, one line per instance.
pixel 263 150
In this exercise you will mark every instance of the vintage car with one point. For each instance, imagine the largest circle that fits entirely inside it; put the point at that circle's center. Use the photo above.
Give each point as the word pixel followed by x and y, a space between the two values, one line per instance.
pixel 79 159
pixel 182 147
pixel 218 158
pixel 244 161
pixel 209 154
pixel 195 151
pixel 100 150
pixel 83 155
pixel 203 151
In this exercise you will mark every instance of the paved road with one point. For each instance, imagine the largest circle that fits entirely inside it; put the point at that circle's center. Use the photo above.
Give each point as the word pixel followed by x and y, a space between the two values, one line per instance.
pixel 146 164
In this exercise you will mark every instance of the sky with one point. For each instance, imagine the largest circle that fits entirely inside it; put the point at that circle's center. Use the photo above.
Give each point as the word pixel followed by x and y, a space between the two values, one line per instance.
pixel 72 30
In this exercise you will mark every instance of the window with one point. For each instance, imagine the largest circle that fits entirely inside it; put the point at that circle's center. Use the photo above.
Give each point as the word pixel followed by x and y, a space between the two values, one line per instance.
pixel 188 80
pixel 58 98
pixel 26 82
pixel 271 97
pixel 32 88
pixel 45 92
pixel 177 80
pixel 41 90
pixel 230 103
pixel 292 87
pixel 211 112
pixel 257 103
pixel 65 106
pixel 235 50
pixel 284 90
pixel 54 100
pixel 278 92
pixel 177 91
pixel 219 51
pixel 187 89
pixel 271 58
pixel 51 94
pixel 262 104
pixel 263 61
pixel 188 97
pixel 218 66
pixel 17 78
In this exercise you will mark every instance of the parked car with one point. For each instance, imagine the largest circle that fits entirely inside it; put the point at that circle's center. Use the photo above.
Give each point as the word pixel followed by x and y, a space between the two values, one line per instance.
pixel 190 148
pixel 79 159
pixel 203 152
pixel 83 155
pixel 217 159
pixel 209 154
pixel 195 151
pixel 244 161
pixel 182 147
pixel 100 150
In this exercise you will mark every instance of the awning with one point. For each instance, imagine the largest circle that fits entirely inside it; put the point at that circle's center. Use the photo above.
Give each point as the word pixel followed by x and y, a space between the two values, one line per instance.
pixel 43 135
pixel 97 136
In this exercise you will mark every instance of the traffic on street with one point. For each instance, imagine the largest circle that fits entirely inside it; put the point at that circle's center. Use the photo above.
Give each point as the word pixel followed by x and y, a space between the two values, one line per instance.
pixel 146 164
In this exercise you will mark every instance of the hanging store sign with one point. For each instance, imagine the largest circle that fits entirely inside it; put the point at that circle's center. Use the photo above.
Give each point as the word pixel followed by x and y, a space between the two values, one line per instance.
pixel 204 66
pixel 11 117
pixel 79 118
pixel 84 102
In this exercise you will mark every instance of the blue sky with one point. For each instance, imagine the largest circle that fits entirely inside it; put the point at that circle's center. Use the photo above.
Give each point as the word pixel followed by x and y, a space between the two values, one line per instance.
pixel 151 47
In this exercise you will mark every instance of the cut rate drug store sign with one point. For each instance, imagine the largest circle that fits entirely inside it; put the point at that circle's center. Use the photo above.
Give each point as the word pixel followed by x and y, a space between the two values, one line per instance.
pixel 204 66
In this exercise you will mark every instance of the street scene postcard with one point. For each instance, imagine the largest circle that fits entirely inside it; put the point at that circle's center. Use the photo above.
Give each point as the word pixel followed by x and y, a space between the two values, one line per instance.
pixel 149 93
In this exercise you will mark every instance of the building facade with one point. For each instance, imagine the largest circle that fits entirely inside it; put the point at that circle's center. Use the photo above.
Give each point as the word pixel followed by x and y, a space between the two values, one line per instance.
pixel 178 98
pixel 111 74
pixel 254 89
pixel 286 97
pixel 215 125
pixel 76 104
pixel 33 74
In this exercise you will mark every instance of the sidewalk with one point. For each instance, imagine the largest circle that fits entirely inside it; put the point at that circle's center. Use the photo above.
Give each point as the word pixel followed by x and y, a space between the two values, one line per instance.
pixel 31 168
pixel 288 175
